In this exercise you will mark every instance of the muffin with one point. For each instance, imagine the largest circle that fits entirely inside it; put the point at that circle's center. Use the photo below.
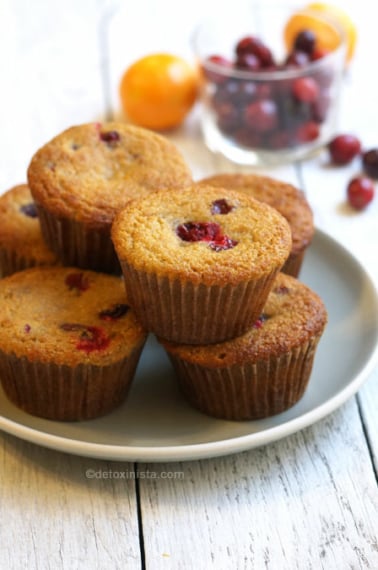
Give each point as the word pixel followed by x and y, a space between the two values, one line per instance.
pixel 198 264
pixel 83 176
pixel 263 372
pixel 286 198
pixel 21 242
pixel 69 343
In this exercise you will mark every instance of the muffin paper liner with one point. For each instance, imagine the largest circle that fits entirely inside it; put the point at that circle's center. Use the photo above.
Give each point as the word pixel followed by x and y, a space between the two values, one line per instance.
pixel 188 313
pixel 77 245
pixel 293 264
pixel 61 392
pixel 11 262
pixel 247 391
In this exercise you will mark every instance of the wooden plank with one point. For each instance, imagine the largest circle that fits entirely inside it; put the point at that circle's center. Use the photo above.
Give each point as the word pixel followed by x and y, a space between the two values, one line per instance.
pixel 63 511
pixel 308 501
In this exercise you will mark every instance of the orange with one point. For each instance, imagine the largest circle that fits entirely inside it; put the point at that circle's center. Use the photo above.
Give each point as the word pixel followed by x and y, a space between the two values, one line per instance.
pixel 327 35
pixel 158 91
pixel 345 22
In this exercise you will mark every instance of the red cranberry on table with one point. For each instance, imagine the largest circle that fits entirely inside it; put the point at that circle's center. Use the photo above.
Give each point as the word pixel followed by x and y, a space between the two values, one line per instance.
pixel 370 162
pixel 344 148
pixel 360 192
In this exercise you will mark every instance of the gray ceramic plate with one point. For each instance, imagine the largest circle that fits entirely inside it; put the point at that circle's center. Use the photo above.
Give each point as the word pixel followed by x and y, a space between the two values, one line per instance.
pixel 156 424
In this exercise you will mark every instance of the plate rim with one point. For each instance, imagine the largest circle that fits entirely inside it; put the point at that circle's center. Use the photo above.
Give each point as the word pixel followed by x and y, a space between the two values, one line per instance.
pixel 217 448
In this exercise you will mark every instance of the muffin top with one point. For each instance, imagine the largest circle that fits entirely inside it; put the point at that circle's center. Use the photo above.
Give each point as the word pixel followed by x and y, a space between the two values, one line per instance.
pixel 203 235
pixel 286 198
pixel 90 171
pixel 292 316
pixel 19 226
pixel 66 316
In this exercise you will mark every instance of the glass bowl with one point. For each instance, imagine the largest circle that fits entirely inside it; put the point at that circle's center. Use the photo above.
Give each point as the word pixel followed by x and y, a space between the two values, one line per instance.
pixel 269 115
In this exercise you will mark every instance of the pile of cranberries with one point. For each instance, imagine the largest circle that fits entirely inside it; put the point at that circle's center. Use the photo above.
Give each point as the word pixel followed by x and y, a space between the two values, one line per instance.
pixel 342 150
pixel 269 113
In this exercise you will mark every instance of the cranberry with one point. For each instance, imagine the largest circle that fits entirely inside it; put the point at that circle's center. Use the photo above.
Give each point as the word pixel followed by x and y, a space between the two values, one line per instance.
pixel 319 53
pixel 281 290
pixel 260 321
pixel 305 41
pixel 198 231
pixel 246 137
pixel 370 162
pixel 27 328
pixel 77 281
pixel 110 137
pixel 248 61
pixel 297 59
pixel 216 60
pixel 307 132
pixel 90 338
pixel 114 313
pixel 205 231
pixel 262 115
pixel 228 117
pixel 360 192
pixel 29 210
pixel 252 44
pixel 344 148
pixel 305 89
pixel 221 206
pixel 320 107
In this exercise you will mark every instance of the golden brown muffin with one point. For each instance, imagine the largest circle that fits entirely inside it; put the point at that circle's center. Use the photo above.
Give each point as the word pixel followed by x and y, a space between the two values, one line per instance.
pixel 21 242
pixel 286 198
pixel 266 370
pixel 198 264
pixel 69 343
pixel 83 176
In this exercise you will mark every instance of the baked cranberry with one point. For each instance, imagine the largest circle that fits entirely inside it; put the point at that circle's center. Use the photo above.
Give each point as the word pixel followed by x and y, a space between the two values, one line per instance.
pixel 305 89
pixel 281 290
pixel 360 192
pixel 110 137
pixel 114 313
pixel 262 116
pixel 260 321
pixel 198 231
pixel 344 148
pixel 305 41
pixel 205 231
pixel 29 210
pixel 370 162
pixel 27 328
pixel 221 206
pixel 77 281
pixel 90 338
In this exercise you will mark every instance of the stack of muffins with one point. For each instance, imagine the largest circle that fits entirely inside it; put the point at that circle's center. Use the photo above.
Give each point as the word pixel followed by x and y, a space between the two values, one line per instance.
pixel 211 268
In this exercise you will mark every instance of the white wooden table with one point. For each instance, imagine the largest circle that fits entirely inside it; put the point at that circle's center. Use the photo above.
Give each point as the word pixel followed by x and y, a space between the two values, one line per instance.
pixel 308 501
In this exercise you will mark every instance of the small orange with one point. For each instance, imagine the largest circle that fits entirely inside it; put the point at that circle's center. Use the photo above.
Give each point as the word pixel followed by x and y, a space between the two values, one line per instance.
pixel 158 91
pixel 345 22
pixel 327 35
